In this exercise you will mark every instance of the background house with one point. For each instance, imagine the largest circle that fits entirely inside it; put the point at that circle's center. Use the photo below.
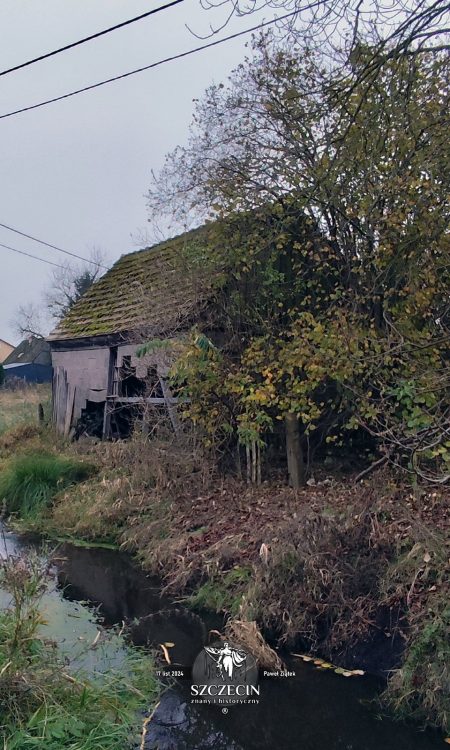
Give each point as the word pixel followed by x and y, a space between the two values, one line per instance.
pixel 5 350
pixel 98 377
pixel 30 361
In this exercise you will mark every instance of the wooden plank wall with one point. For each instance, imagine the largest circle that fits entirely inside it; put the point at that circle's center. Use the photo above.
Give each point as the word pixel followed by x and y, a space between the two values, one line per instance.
pixel 60 389
pixel 79 375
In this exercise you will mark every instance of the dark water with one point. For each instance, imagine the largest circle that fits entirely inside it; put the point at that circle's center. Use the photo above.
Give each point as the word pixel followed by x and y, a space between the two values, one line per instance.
pixel 315 710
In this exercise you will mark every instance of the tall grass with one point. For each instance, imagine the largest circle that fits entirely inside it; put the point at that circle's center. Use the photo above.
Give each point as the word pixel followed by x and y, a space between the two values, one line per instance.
pixel 43 704
pixel 29 482
pixel 19 407
pixel 421 688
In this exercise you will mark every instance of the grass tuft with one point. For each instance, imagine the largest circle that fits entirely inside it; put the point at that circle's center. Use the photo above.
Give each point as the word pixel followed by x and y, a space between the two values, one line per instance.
pixel 420 689
pixel 224 592
pixel 44 703
pixel 29 482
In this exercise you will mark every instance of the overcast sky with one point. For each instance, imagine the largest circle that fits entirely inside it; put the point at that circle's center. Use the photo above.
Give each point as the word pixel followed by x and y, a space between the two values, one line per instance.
pixel 75 173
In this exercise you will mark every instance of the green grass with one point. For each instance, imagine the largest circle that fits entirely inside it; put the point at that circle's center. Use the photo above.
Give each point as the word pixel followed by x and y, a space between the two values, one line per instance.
pixel 77 712
pixel 48 703
pixel 86 544
pixel 29 482
pixel 420 688
pixel 223 593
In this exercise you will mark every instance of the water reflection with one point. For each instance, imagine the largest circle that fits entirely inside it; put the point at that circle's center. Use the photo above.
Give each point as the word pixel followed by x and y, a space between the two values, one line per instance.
pixel 316 710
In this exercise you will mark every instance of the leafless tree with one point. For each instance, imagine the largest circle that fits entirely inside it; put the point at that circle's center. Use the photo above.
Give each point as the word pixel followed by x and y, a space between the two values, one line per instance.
pixel 71 281
pixel 30 319
pixel 66 285
pixel 400 27
pixel 342 29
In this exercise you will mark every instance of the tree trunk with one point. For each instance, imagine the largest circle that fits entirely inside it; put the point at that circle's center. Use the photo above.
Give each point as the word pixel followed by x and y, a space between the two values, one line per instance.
pixel 296 466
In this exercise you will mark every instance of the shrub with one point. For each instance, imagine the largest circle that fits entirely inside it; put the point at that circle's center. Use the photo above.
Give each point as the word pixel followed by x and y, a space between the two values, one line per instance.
pixel 28 483
pixel 420 689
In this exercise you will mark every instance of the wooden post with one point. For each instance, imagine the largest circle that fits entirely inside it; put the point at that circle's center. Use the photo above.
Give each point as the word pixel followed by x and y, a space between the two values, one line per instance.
pixel 294 451
pixel 71 390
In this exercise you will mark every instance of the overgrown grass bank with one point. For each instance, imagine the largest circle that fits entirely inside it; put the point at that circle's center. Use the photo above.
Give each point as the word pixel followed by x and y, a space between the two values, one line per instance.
pixel 29 482
pixel 33 469
pixel 421 687
pixel 313 568
pixel 43 703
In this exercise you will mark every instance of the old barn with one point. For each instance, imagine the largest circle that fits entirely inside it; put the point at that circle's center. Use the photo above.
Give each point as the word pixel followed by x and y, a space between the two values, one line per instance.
pixel 99 382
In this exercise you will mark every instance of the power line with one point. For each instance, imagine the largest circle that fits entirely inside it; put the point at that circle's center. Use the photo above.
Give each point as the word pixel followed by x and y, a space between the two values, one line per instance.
pixel 148 67
pixel 89 38
pixel 54 247
pixel 29 255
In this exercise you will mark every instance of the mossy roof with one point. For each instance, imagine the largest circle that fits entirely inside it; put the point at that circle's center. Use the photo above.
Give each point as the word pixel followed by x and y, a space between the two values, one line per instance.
pixel 157 288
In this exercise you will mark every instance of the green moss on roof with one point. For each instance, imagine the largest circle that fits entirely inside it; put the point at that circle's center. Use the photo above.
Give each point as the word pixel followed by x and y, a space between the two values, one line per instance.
pixel 157 288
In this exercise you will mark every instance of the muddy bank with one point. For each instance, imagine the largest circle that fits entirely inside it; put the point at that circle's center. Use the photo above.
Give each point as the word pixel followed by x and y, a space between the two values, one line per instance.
pixel 128 593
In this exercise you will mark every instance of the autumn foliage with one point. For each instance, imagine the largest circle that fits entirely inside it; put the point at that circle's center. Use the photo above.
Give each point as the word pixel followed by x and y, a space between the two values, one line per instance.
pixel 330 197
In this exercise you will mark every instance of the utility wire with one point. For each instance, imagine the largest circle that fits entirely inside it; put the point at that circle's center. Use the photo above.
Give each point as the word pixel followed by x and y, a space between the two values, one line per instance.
pixel 29 255
pixel 89 38
pixel 152 65
pixel 47 244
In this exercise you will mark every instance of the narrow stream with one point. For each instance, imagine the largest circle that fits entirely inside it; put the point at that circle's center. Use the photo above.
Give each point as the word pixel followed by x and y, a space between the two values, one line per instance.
pixel 315 710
